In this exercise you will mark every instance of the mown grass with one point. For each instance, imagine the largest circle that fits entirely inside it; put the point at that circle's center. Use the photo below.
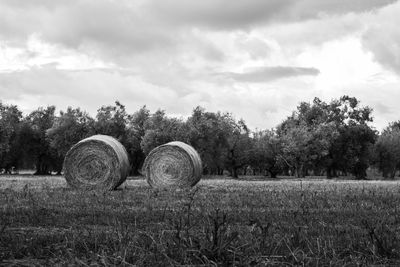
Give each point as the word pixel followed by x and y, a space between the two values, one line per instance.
pixel 219 222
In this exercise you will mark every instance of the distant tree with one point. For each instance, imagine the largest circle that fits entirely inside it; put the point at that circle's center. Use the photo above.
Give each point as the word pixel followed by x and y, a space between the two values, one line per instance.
pixel 267 153
pixel 222 142
pixel 306 136
pixel 387 150
pixel 348 153
pixel 25 148
pixel 207 134
pixel 42 154
pixel 159 129
pixel 357 156
pixel 135 134
pixel 113 121
pixel 239 144
pixel 10 120
pixel 321 135
pixel 68 129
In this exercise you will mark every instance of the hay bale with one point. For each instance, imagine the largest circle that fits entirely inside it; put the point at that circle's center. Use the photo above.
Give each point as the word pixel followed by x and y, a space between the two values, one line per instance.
pixel 174 164
pixel 99 162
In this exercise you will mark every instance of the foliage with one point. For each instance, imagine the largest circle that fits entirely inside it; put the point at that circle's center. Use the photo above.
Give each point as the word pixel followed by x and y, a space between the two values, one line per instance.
pixel 10 119
pixel 238 144
pixel 135 134
pixel 319 138
pixel 207 134
pixel 267 153
pixel 68 129
pixel 334 135
pixel 112 120
pixel 159 129
pixel 223 142
pixel 307 136
pixel 387 150
pixel 44 156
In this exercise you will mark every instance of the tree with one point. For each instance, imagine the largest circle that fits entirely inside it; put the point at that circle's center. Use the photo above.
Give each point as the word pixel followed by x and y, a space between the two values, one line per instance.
pixel 44 156
pixel 112 120
pixel 206 133
pixel 267 153
pixel 357 154
pixel 387 150
pixel 238 144
pixel 159 129
pixel 321 134
pixel 348 153
pixel 116 122
pixel 68 129
pixel 222 142
pixel 136 133
pixel 10 119
pixel 306 136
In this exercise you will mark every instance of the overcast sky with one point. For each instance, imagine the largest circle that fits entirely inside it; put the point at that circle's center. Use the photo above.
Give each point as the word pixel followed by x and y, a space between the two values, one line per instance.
pixel 255 58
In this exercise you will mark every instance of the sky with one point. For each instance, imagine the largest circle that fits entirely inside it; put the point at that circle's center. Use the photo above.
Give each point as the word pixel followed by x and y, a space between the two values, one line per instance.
pixel 257 59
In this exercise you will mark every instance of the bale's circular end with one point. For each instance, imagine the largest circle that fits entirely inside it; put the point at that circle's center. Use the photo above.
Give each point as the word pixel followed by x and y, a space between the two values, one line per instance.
pixel 99 162
pixel 174 164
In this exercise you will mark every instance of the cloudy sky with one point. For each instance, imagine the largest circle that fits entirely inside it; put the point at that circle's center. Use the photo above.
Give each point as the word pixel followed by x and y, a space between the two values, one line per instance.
pixel 255 58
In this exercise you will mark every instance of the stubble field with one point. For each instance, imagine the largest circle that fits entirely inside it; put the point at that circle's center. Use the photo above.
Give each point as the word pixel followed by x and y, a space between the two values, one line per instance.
pixel 220 222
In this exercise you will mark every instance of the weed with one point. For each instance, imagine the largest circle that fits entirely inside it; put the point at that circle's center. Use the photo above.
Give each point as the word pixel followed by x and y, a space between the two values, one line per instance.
pixel 217 223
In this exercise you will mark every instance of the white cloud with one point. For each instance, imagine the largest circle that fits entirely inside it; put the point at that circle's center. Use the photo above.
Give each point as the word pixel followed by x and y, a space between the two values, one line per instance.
pixel 90 88
pixel 269 55
pixel 383 37
pixel 245 14
pixel 266 74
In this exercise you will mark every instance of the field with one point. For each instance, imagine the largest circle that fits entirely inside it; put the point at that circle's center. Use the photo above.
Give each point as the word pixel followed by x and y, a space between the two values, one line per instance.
pixel 220 222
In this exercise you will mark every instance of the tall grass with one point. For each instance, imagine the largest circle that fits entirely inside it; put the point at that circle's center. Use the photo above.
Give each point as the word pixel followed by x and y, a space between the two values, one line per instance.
pixel 219 222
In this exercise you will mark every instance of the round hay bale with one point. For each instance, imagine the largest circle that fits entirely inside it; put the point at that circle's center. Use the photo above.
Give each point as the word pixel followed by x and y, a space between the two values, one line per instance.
pixel 174 164
pixel 98 162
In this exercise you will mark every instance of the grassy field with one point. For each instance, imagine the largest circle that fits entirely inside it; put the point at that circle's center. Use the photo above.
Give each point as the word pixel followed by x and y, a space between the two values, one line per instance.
pixel 219 222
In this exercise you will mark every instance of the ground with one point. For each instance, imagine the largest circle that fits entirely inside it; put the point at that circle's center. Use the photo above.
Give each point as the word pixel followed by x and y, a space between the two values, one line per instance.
pixel 220 222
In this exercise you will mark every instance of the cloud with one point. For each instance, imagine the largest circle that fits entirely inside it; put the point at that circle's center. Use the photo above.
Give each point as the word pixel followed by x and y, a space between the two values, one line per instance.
pixel 123 26
pixel 243 14
pixel 256 47
pixel 317 31
pixel 383 37
pixel 267 74
pixel 89 25
pixel 88 89
pixel 161 53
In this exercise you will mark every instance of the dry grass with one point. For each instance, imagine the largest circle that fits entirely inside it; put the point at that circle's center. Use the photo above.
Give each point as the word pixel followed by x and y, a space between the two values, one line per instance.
pixel 218 222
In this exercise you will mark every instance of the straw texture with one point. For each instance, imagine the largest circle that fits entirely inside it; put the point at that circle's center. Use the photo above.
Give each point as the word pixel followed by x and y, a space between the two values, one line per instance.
pixel 99 162
pixel 174 164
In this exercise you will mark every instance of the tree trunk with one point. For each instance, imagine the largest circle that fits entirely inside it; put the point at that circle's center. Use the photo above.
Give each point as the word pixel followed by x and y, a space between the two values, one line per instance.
pixel 7 171
pixel 393 174
pixel 361 175
pixel 305 172
pixel 273 174
pixel 299 171
pixel 329 173
pixel 234 173
pixel 41 168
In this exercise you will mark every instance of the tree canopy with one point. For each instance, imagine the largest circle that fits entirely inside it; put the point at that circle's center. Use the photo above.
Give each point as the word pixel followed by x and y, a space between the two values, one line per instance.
pixel 319 138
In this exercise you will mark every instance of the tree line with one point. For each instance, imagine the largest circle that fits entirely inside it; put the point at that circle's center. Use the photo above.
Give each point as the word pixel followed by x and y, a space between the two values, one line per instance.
pixel 318 138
